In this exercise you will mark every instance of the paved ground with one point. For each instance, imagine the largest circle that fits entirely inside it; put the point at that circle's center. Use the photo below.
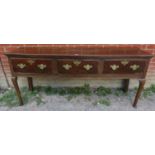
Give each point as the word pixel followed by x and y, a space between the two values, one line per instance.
pixel 86 103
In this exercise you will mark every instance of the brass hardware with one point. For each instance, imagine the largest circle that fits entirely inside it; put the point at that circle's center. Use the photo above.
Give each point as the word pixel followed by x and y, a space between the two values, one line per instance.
pixel 134 67
pixel 42 66
pixel 67 66
pixel 87 67
pixel 31 62
pixel 124 62
pixel 114 67
pixel 21 66
pixel 76 62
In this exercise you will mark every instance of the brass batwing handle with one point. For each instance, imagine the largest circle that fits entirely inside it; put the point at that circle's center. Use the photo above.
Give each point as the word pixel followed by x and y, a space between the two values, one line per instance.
pixel 134 67
pixel 42 66
pixel 87 67
pixel 31 62
pixel 124 62
pixel 21 66
pixel 67 66
pixel 114 67
pixel 77 62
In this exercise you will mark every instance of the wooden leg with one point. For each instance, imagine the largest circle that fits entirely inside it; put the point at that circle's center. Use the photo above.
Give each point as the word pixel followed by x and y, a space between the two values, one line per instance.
pixel 15 83
pixel 140 89
pixel 4 74
pixel 30 83
pixel 126 85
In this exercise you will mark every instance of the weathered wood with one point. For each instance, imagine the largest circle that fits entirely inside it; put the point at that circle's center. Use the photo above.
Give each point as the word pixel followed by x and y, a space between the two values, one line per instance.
pixel 15 83
pixel 79 61
pixel 4 74
pixel 30 83
pixel 126 85
pixel 140 89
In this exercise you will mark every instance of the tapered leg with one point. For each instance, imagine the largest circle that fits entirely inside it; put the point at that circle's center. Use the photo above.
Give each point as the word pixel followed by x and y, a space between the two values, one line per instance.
pixel 140 89
pixel 4 74
pixel 15 83
pixel 30 83
pixel 126 85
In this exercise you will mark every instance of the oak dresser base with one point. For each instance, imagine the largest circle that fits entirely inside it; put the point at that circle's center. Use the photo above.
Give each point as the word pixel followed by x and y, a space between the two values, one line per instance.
pixel 79 60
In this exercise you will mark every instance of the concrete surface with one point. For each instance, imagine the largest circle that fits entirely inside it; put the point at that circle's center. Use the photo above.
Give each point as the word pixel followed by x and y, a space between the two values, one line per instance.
pixel 86 103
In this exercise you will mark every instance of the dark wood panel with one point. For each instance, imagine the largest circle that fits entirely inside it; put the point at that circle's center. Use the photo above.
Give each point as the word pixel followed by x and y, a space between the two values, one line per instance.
pixel 32 65
pixel 79 50
pixel 124 67
pixel 77 67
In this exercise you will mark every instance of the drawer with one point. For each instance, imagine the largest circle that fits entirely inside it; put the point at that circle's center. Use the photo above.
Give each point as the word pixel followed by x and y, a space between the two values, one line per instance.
pixel 124 66
pixel 77 67
pixel 31 65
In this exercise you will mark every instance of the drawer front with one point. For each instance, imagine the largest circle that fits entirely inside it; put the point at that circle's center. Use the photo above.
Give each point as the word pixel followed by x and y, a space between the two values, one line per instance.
pixel 77 67
pixel 31 65
pixel 124 66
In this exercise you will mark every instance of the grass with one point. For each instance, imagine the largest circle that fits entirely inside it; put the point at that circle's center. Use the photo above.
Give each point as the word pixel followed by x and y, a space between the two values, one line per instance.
pixel 102 91
pixel 149 91
pixel 8 98
pixel 86 90
pixel 119 92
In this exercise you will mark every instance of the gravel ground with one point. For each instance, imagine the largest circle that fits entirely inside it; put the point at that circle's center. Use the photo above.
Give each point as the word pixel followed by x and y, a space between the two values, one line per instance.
pixel 86 103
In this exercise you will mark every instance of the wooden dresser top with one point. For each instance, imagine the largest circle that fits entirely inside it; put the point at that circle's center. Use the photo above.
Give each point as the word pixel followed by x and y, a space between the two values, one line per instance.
pixel 78 50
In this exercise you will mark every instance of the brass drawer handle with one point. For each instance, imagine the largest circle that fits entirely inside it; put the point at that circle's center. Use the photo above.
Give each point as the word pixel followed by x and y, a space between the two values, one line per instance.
pixel 124 62
pixel 76 62
pixel 42 66
pixel 31 62
pixel 87 67
pixel 134 67
pixel 21 66
pixel 114 67
pixel 67 66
